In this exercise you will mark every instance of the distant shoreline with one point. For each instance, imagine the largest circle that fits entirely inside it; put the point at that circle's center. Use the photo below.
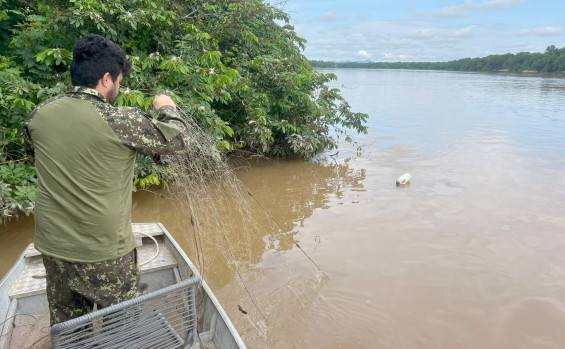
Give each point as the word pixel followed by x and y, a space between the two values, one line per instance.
pixel 525 72
pixel 551 61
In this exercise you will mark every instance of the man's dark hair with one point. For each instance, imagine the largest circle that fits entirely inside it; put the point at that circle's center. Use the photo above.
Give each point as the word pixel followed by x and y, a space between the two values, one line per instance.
pixel 94 56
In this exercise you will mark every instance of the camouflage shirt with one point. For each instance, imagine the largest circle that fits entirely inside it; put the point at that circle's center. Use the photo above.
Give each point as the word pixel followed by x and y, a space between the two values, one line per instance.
pixel 85 151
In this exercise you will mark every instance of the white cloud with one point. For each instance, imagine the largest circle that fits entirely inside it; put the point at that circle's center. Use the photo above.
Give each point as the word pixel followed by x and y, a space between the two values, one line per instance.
pixel 462 10
pixel 345 38
pixel 330 16
pixel 548 31
pixel 498 4
pixel 466 32
pixel 422 34
pixel 544 31
pixel 364 54
pixel 394 56
pixel 402 40
pixel 442 34
pixel 454 11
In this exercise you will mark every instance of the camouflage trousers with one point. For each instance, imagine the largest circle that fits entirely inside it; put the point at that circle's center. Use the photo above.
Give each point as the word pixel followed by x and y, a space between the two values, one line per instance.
pixel 73 288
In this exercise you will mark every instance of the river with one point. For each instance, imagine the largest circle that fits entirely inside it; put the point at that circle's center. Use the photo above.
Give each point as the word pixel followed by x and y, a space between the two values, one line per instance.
pixel 471 255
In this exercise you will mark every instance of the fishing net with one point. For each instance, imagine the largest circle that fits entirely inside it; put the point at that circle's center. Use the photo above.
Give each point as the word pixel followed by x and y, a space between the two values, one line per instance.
pixel 212 203
pixel 228 227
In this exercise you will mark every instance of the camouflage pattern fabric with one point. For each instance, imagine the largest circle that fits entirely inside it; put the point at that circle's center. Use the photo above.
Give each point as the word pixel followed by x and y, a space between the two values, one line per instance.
pixel 73 288
pixel 135 128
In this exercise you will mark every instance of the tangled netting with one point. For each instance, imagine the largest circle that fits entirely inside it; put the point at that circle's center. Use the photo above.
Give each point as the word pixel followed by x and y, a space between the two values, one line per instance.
pixel 213 203
pixel 229 225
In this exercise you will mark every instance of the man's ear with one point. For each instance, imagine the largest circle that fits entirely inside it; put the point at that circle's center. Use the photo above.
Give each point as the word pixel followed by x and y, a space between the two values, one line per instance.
pixel 106 81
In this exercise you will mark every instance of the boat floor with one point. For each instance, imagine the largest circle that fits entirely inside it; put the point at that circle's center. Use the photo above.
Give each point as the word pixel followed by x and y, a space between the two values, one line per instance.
pixel 33 332
pixel 30 332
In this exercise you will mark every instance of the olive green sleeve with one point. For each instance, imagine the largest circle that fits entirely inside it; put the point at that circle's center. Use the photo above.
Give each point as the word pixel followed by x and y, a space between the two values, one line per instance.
pixel 28 143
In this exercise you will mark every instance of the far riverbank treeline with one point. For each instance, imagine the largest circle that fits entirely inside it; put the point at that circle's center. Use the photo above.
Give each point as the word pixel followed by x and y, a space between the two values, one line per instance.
pixel 235 66
pixel 550 61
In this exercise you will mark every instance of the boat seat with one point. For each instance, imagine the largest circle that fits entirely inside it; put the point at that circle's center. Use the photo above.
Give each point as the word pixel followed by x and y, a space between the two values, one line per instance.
pixel 162 319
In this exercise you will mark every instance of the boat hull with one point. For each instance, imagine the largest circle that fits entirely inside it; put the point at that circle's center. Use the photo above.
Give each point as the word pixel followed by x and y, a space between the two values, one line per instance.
pixel 23 302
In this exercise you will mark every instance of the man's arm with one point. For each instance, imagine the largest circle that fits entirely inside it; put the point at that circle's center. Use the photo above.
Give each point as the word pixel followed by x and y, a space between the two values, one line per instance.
pixel 161 136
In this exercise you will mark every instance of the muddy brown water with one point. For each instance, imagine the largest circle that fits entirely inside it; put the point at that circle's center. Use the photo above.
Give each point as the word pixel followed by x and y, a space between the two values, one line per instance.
pixel 471 255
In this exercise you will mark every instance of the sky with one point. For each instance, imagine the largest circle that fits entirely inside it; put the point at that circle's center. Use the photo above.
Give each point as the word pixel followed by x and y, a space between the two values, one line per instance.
pixel 425 30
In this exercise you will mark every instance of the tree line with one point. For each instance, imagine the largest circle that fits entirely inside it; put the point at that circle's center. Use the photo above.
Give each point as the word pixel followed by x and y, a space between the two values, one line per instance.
pixel 550 61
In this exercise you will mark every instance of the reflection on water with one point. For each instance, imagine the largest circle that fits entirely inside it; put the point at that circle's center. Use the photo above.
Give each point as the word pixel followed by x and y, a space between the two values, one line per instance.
pixel 472 255
pixel 290 191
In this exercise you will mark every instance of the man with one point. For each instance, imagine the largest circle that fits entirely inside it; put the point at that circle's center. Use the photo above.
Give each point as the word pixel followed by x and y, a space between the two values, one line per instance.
pixel 85 150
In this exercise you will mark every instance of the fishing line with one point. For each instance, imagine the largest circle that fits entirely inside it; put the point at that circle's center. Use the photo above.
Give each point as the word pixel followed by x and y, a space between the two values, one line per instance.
pixel 230 249
pixel 197 235
pixel 208 187
pixel 185 115
pixel 203 177
pixel 281 228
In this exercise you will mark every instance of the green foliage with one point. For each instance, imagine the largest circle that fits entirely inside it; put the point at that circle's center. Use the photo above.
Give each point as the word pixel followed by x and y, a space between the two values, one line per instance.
pixel 235 66
pixel 551 61
pixel 17 189
pixel 54 55
pixel 18 97
pixel 149 172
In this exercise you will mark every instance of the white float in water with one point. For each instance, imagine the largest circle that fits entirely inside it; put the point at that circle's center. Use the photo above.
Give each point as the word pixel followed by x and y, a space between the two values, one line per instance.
pixel 404 180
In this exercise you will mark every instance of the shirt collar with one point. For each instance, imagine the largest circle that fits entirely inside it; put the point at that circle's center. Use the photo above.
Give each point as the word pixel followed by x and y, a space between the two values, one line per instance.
pixel 86 91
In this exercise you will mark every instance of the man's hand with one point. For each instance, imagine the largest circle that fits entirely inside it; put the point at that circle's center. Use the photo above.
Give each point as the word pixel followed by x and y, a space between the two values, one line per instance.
pixel 163 100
